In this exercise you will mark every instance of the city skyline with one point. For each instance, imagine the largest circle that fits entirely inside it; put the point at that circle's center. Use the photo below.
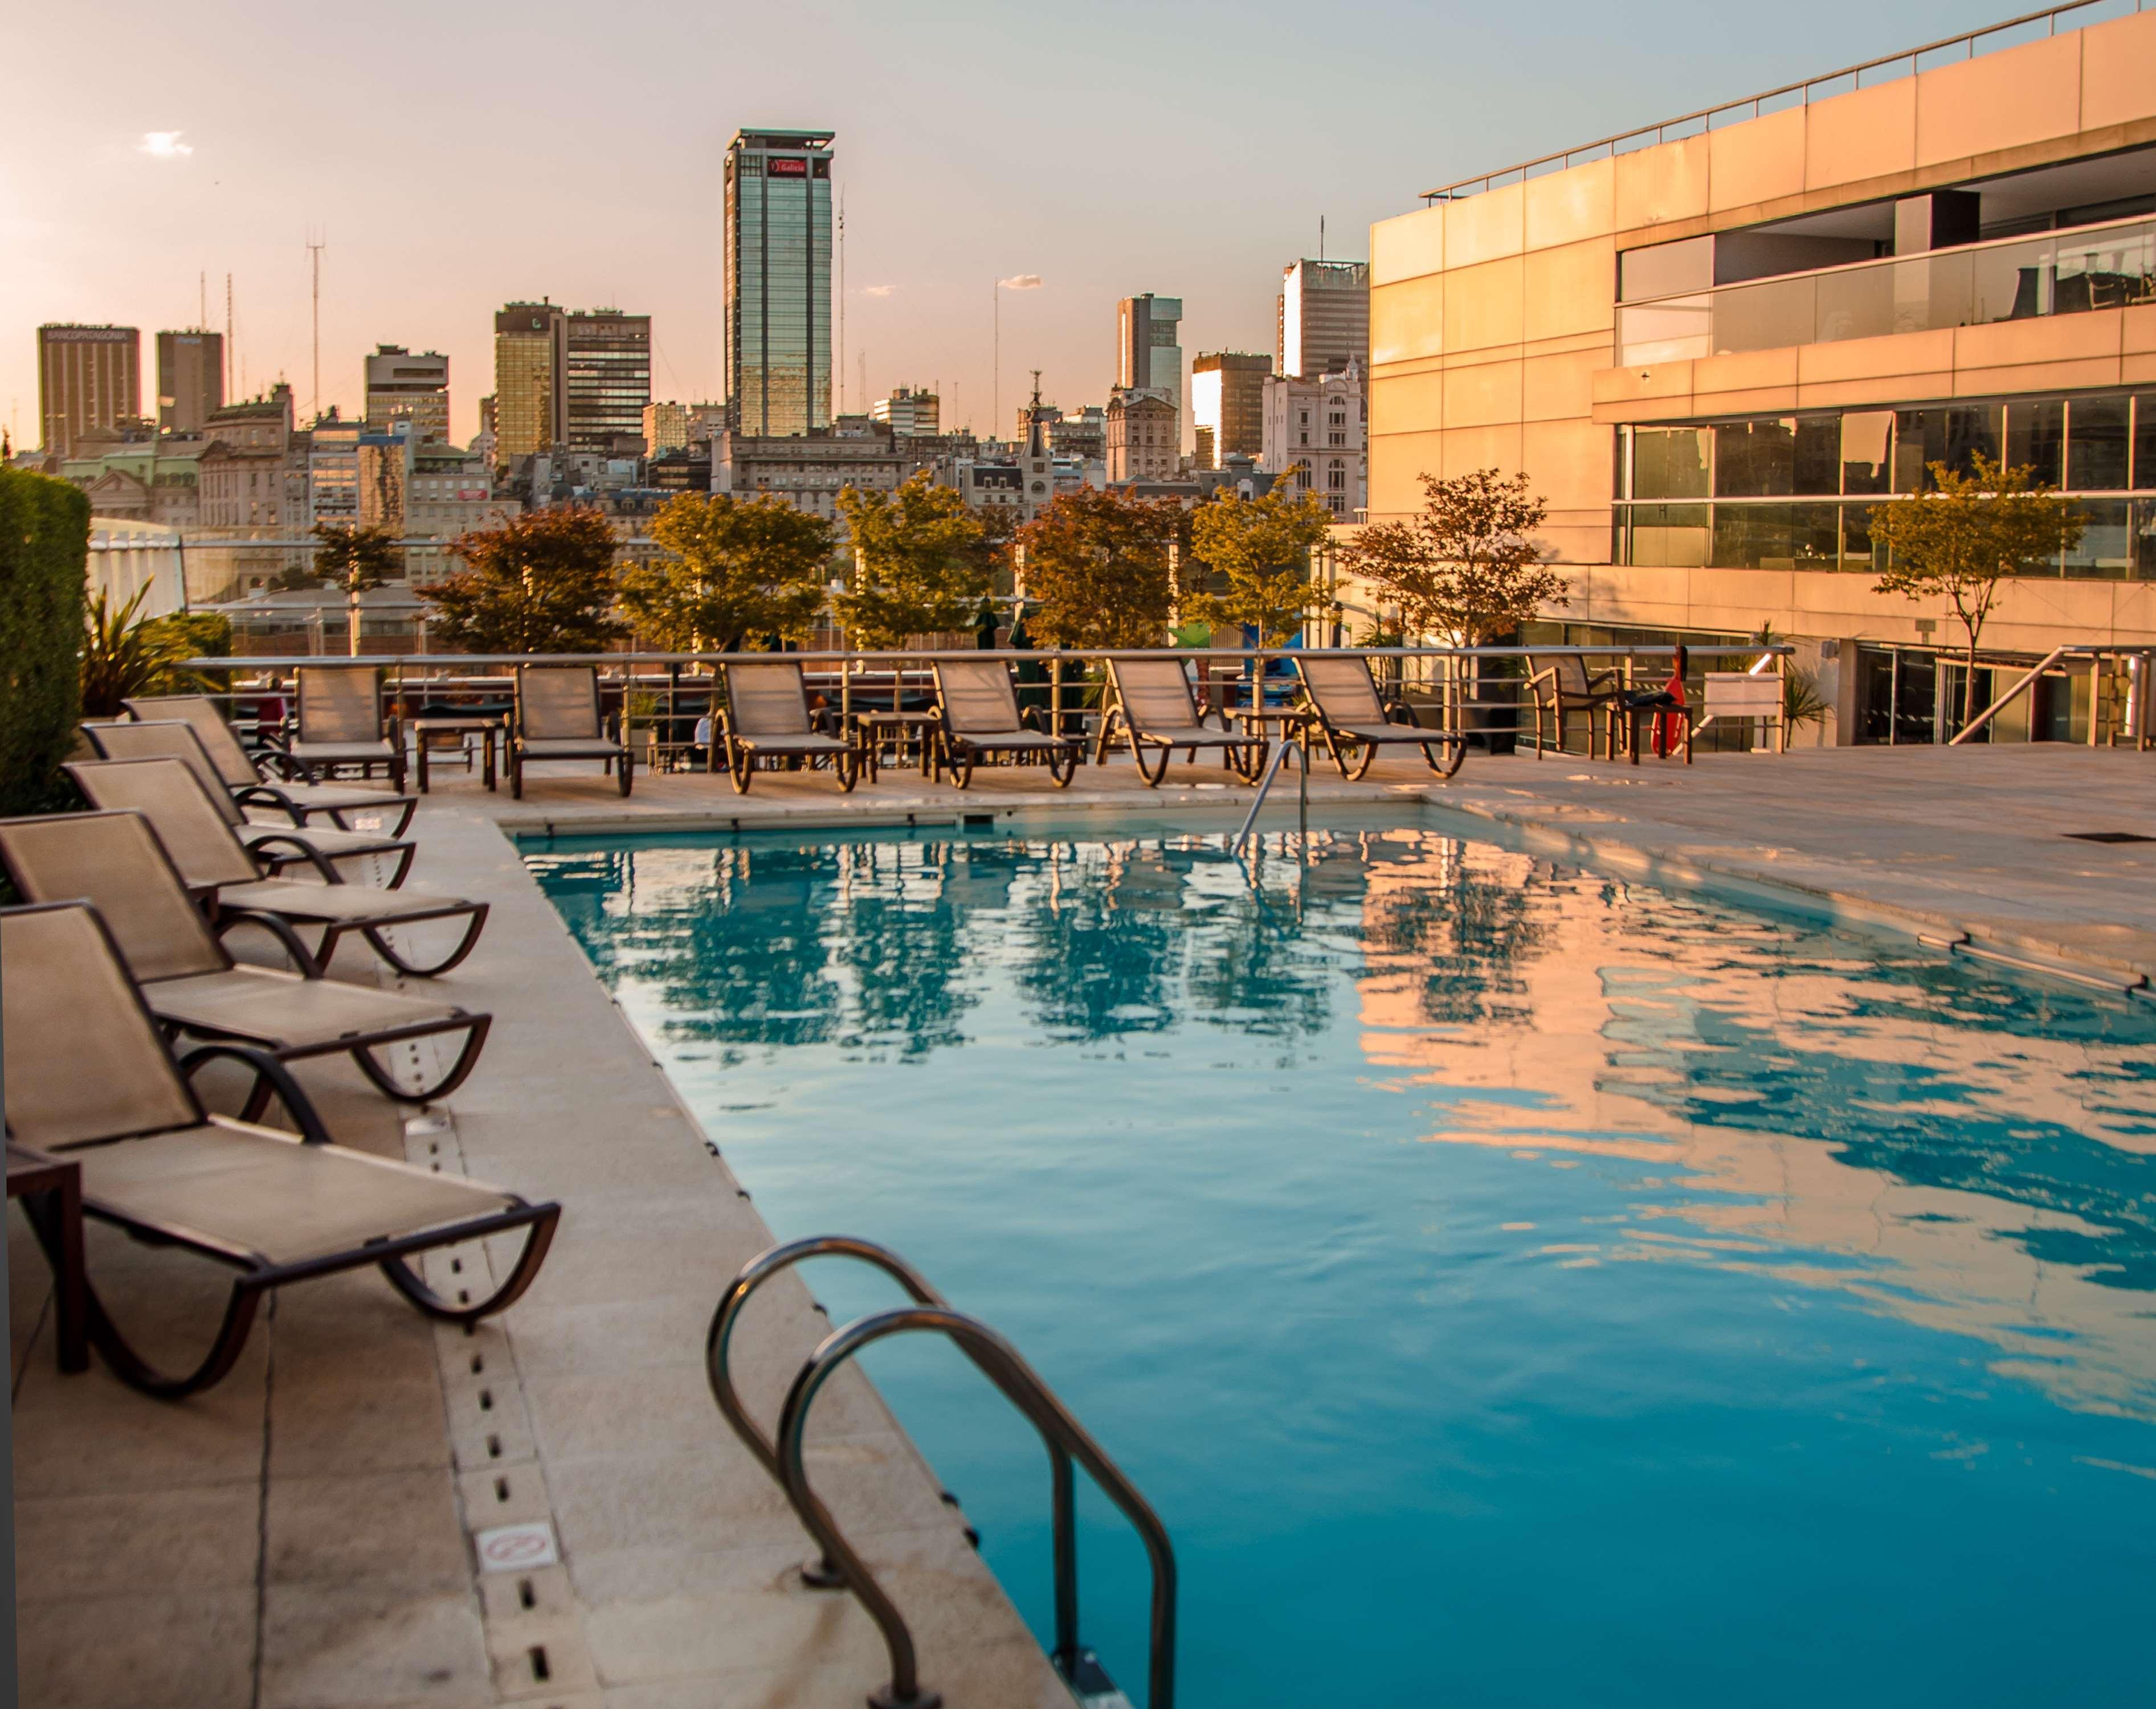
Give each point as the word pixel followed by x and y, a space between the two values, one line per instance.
pixel 206 173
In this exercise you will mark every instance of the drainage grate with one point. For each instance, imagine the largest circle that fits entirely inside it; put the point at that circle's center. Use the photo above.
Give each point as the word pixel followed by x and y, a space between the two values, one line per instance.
pixel 2109 837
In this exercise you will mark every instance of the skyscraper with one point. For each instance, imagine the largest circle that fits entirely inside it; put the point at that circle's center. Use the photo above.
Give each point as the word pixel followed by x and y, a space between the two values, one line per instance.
pixel 190 379
pixel 531 377
pixel 779 280
pixel 1228 404
pixel 1324 309
pixel 1148 356
pixel 88 376
pixel 400 385
pixel 609 357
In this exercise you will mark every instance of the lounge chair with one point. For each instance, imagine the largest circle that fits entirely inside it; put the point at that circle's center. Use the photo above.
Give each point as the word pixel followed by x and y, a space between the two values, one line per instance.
pixel 340 725
pixel 558 718
pixel 1343 702
pixel 221 870
pixel 88 1079
pixel 281 844
pixel 244 774
pixel 114 861
pixel 768 718
pixel 978 716
pixel 1156 709
pixel 1564 688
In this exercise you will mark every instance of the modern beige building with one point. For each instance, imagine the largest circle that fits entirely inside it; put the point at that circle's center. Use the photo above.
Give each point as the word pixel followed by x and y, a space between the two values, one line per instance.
pixel 666 427
pixel 88 377
pixel 190 379
pixel 1714 345
pixel 531 380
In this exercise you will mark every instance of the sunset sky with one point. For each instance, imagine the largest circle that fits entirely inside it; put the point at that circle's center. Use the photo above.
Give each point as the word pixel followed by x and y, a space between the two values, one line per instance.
pixel 455 157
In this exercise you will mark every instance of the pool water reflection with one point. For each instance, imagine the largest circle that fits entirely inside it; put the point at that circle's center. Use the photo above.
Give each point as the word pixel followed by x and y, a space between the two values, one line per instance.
pixel 1511 1284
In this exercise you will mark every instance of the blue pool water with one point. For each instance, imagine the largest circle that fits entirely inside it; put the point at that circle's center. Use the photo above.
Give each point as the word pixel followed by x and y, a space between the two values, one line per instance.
pixel 1511 1285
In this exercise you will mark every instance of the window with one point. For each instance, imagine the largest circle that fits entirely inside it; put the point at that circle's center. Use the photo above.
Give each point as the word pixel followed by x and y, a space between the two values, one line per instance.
pixel 1336 477
pixel 1669 463
pixel 1866 438
pixel 2036 435
pixel 2097 444
pixel 1335 439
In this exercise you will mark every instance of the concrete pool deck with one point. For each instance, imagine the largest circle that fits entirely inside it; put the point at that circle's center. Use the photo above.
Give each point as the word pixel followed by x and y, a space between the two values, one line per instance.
pixel 304 1534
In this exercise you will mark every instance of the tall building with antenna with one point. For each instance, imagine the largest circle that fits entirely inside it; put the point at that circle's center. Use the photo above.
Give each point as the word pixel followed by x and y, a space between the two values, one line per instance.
pixel 778 242
pixel 1324 310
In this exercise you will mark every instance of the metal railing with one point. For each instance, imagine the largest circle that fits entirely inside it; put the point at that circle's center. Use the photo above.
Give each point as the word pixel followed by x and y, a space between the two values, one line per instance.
pixel 783 1455
pixel 681 686
pixel 2134 722
pixel 1811 88
pixel 1301 749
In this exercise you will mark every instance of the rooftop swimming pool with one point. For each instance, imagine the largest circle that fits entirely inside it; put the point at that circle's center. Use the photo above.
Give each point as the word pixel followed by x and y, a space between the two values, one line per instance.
pixel 1511 1285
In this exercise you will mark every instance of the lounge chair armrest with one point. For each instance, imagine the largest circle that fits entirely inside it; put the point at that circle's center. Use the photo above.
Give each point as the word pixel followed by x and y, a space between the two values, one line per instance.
pixel 278 928
pixel 302 1108
pixel 320 861
pixel 1400 712
pixel 267 795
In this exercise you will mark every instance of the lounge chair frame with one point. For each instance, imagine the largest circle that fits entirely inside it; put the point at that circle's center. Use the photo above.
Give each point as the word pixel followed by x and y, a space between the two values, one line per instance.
pixel 258 1274
pixel 159 789
pixel 336 711
pixel 282 845
pixel 1565 687
pixel 1354 733
pixel 359 1046
pixel 243 773
pixel 785 735
pixel 1243 753
pixel 534 736
pixel 976 722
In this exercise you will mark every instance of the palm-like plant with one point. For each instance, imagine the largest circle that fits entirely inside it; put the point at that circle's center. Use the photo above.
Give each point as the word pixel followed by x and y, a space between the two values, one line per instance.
pixel 124 656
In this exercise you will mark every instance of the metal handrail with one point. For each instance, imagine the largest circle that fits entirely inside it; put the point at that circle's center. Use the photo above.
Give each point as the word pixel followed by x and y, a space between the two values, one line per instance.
pixel 1066 1439
pixel 823 1574
pixel 1302 748
pixel 1706 117
pixel 1985 716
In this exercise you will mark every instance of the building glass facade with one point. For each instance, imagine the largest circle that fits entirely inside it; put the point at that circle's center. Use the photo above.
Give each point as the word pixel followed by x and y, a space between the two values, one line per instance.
pixel 778 281
pixel 1796 491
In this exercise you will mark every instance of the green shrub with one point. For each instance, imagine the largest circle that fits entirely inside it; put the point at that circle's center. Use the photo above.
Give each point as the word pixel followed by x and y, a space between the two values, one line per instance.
pixel 44 545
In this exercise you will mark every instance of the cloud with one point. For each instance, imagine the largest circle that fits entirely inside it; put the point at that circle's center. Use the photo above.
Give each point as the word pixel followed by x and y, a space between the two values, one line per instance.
pixel 878 290
pixel 1020 281
pixel 163 144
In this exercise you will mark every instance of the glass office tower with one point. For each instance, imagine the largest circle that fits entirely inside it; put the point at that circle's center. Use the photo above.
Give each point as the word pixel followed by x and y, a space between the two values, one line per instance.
pixel 778 281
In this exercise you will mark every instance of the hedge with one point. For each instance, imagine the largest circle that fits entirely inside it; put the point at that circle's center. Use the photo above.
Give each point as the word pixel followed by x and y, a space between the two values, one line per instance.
pixel 44 546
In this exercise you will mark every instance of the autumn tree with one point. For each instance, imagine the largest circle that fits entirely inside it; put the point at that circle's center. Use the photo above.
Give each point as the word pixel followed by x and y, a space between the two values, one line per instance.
pixel 1465 566
pixel 921 562
pixel 540 582
pixel 1262 546
pixel 1956 541
pixel 1098 569
pixel 740 569
pixel 352 560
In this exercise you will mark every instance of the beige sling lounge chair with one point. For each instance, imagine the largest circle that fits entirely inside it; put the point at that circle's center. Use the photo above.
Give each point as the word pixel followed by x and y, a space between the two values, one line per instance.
pixel 1156 709
pixel 244 775
pixel 221 871
pixel 114 861
pixel 280 842
pixel 978 717
pixel 768 719
pixel 558 718
pixel 1343 702
pixel 341 726
pixel 88 1079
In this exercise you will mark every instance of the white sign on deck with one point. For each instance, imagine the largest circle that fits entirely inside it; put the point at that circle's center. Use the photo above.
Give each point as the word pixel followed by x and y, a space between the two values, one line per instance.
pixel 517 1549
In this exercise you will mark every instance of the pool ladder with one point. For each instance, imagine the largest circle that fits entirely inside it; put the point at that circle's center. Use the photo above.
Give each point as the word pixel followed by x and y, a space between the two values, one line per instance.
pixel 1301 751
pixel 840 1566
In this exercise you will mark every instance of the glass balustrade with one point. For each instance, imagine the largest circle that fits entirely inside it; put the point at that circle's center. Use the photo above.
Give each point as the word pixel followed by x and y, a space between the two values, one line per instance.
pixel 2069 272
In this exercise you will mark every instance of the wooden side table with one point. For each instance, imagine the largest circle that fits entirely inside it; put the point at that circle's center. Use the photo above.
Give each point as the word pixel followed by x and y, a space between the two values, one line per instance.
pixel 59 1178
pixel 486 729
